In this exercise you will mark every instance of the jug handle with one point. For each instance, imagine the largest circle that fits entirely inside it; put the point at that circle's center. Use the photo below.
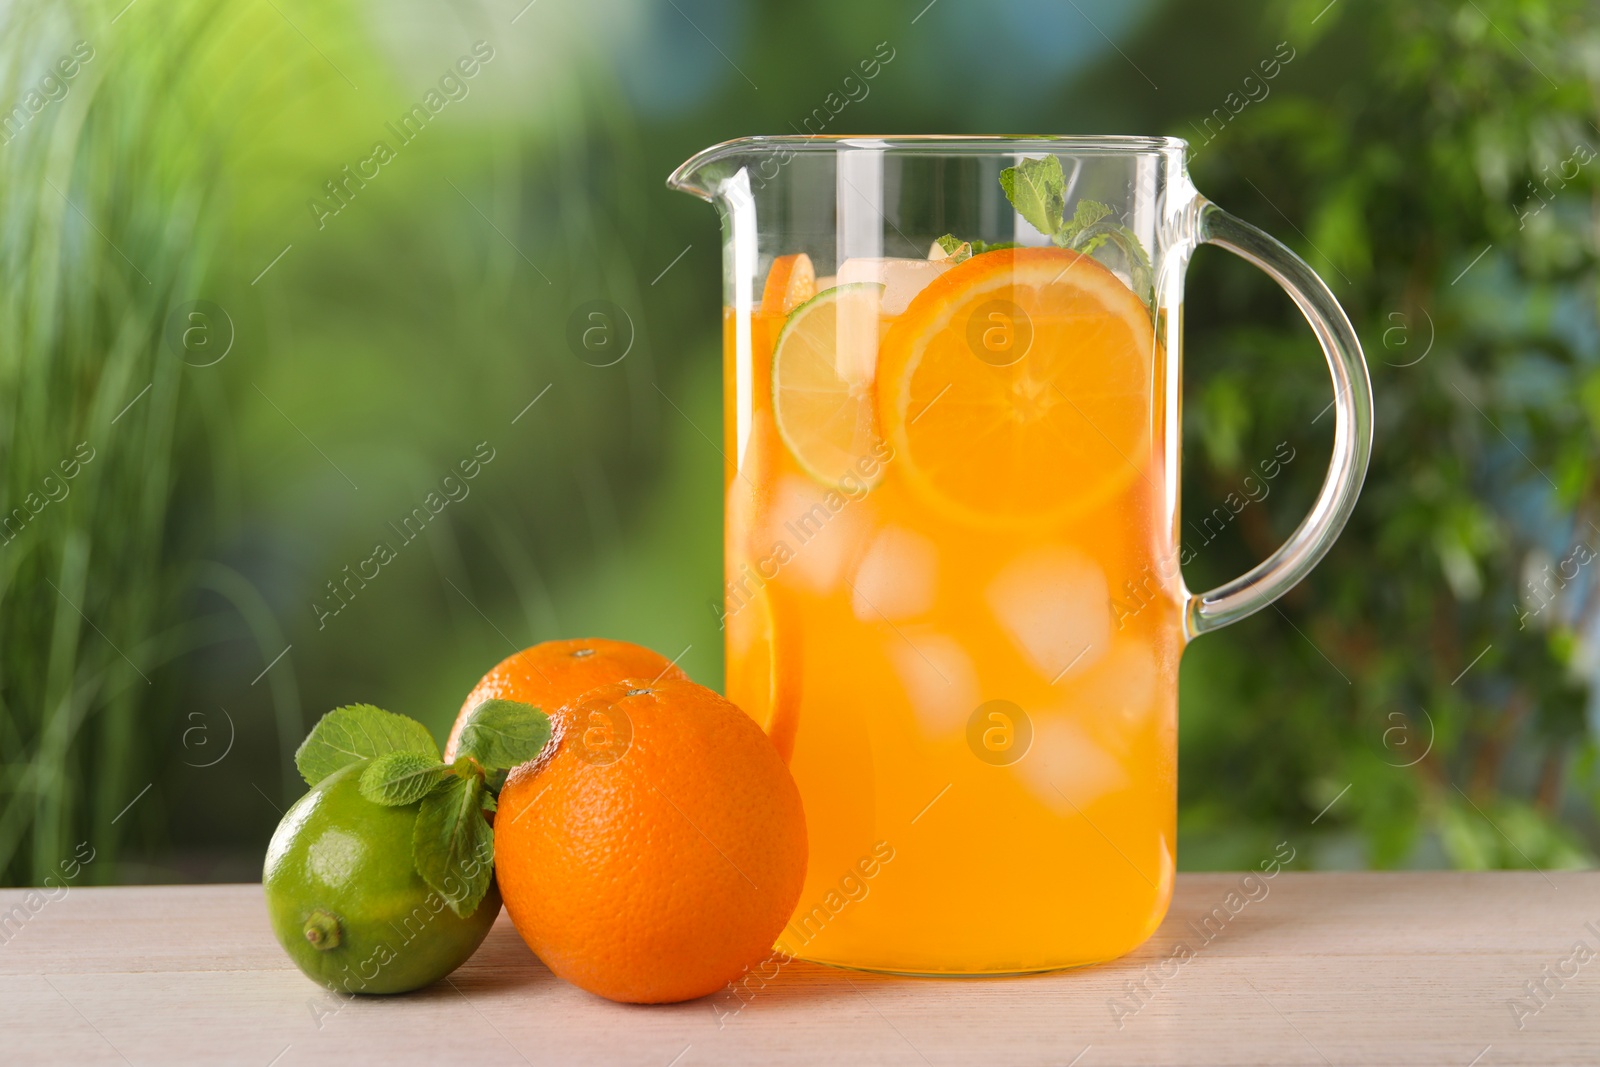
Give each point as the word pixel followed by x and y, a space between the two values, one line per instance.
pixel 1352 429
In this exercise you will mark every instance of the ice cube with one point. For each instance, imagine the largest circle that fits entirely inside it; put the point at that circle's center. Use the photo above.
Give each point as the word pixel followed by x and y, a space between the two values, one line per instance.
pixel 938 677
pixel 1120 691
pixel 896 577
pixel 1054 605
pixel 819 531
pixel 1065 768
pixel 901 279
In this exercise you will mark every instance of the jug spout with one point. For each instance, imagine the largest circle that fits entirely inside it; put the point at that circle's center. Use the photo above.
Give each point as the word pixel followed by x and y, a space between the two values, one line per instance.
pixel 733 170
pixel 700 176
pixel 712 173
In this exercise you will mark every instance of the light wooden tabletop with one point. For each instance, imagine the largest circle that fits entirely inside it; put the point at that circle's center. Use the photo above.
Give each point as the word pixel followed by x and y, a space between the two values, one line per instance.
pixel 1320 969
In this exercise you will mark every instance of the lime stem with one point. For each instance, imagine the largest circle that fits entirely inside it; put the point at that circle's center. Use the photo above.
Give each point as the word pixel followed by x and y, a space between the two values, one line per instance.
pixel 322 930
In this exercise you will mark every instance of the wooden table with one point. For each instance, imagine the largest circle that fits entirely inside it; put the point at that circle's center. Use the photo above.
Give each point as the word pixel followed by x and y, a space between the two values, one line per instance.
pixel 1322 969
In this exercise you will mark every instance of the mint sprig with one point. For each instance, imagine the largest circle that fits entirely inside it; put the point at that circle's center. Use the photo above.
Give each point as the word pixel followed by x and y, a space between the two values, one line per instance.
pixel 1037 189
pixel 452 844
pixel 358 732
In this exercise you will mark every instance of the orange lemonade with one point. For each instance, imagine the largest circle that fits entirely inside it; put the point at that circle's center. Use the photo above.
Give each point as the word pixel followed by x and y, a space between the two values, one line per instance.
pixel 953 601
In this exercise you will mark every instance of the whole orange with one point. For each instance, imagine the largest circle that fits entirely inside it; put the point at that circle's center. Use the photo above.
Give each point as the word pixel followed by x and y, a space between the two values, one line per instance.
pixel 553 674
pixel 657 849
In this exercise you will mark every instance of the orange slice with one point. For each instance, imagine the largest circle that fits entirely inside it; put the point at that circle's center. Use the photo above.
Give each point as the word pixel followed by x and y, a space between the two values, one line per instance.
pixel 1017 388
pixel 791 282
pixel 763 674
pixel 822 372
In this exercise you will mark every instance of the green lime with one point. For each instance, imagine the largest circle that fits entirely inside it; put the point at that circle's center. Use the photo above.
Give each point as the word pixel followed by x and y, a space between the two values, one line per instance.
pixel 822 383
pixel 346 900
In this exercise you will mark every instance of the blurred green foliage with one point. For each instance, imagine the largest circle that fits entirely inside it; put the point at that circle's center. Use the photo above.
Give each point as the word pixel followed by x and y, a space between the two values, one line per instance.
pixel 376 347
pixel 107 217
pixel 1429 667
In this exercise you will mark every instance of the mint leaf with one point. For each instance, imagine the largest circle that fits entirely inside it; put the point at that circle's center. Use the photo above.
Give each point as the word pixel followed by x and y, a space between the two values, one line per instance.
pixel 955 249
pixel 1089 245
pixel 958 251
pixel 453 844
pixel 502 734
pixel 1085 215
pixel 980 247
pixel 1140 277
pixel 359 731
pixel 1093 227
pixel 489 802
pixel 1037 190
pixel 401 778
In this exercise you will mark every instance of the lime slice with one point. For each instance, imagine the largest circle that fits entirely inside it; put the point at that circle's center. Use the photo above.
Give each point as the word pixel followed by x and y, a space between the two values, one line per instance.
pixel 822 373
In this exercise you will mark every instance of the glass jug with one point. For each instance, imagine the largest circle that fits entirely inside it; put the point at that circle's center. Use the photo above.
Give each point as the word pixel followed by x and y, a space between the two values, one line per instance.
pixel 953 592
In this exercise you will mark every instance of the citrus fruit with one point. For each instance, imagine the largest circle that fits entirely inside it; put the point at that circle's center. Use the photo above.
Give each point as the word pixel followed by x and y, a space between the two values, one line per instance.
pixel 659 864
pixel 763 665
pixel 822 372
pixel 346 901
pixel 791 282
pixel 552 674
pixel 1017 388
